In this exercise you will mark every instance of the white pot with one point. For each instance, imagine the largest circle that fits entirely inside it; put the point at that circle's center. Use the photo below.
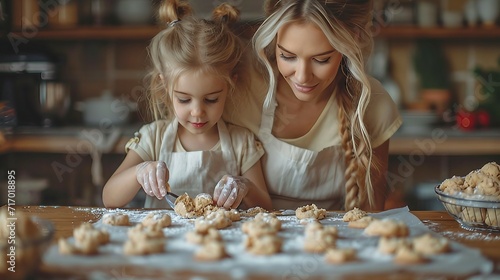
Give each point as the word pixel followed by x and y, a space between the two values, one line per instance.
pixel 106 110
pixel 488 11
pixel 136 12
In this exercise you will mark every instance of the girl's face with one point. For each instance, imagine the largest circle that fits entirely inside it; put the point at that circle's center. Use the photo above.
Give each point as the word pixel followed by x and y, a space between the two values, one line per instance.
pixel 306 60
pixel 199 99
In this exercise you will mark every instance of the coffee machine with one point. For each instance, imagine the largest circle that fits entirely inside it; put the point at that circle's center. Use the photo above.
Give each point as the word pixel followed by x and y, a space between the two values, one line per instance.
pixel 30 91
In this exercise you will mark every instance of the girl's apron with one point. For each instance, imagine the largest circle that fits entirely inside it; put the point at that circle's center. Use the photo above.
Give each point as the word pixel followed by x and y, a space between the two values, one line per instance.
pixel 295 176
pixel 197 171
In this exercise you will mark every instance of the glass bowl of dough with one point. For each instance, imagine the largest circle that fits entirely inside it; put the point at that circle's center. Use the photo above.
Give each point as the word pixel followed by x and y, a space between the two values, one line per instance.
pixel 23 242
pixel 474 200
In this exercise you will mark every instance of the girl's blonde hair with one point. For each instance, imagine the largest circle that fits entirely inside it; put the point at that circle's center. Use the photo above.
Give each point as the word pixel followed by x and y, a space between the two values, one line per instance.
pixel 346 25
pixel 190 44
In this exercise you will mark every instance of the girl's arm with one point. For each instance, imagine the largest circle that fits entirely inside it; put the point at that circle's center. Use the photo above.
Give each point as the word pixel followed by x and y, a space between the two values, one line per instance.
pixel 379 181
pixel 122 186
pixel 257 194
pixel 249 190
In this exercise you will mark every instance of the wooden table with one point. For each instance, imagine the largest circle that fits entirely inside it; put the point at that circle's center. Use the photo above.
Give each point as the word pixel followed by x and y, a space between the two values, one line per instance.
pixel 65 219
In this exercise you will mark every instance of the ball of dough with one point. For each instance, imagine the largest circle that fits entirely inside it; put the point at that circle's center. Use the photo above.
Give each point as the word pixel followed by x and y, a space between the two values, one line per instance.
pixel 115 219
pixel 361 223
pixel 310 211
pixel 427 244
pixel 163 220
pixel 354 215
pixel 211 251
pixel 263 245
pixel 339 256
pixel 202 200
pixel 387 228
pixel 406 256
pixel 492 169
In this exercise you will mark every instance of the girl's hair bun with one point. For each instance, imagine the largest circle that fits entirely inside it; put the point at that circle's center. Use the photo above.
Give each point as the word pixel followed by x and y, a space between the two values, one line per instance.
pixel 226 13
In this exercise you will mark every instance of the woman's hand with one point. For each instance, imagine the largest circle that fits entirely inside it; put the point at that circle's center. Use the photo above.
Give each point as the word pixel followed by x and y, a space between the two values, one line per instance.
pixel 153 177
pixel 230 191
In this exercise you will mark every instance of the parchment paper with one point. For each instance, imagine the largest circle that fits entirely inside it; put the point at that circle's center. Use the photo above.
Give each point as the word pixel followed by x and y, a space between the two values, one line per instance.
pixel 292 263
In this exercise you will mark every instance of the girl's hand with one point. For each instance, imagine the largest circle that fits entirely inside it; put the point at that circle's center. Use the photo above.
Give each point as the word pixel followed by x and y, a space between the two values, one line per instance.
pixel 230 191
pixel 153 177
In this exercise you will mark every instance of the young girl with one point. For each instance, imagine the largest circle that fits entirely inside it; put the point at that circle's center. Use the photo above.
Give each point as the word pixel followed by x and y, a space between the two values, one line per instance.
pixel 197 66
pixel 324 123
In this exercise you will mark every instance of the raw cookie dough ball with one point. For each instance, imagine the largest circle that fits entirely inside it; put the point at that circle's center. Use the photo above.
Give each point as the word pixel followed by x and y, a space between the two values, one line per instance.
pixel 231 214
pixel 387 228
pixel 254 211
pixel 201 237
pixel 85 247
pixel 390 245
pixel 149 232
pixel 144 240
pixel 310 211
pixel 115 219
pixel 492 217
pixel 184 206
pixel 318 238
pixel 473 215
pixel 361 223
pixel 201 201
pixel 405 255
pixel 339 256
pixel 258 228
pixel 269 244
pixel 452 185
pixel 270 219
pixel 87 231
pixel 143 246
pixel 354 215
pixel 427 244
pixel 163 220
pixel 211 251
pixel 492 169
pixel 216 220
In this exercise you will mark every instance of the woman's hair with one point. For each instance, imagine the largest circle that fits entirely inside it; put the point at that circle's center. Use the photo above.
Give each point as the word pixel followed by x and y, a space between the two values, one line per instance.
pixel 346 25
pixel 190 44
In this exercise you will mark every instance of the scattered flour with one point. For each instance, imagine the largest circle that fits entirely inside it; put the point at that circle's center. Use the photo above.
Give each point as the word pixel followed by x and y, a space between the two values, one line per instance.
pixel 292 261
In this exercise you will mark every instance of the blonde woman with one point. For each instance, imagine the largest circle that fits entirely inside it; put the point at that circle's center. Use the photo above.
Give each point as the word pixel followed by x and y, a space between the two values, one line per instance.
pixel 324 123
pixel 197 66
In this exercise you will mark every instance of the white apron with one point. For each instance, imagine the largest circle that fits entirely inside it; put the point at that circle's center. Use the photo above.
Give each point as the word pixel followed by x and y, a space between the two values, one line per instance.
pixel 295 176
pixel 197 171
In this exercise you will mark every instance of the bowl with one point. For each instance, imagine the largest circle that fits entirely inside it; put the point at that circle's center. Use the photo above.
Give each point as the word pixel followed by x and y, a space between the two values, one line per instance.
pixel 472 213
pixel 21 259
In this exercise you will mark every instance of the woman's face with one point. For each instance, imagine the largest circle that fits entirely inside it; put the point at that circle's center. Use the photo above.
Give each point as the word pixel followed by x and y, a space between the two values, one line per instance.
pixel 306 60
pixel 199 100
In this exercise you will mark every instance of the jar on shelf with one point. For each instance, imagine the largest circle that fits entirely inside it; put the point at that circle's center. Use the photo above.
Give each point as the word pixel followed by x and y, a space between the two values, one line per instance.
pixel 65 15
pixel 26 14
pixel 488 11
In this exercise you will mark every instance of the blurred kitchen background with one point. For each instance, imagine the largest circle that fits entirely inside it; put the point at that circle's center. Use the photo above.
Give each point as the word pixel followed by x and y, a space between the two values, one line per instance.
pixel 71 74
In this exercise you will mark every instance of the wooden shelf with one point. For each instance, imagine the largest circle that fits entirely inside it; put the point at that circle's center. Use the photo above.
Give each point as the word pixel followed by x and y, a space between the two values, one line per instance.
pixel 148 32
pixel 408 32
pixel 97 33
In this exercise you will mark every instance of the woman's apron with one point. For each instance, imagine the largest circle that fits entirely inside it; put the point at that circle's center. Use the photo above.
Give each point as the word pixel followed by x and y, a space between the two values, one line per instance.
pixel 295 176
pixel 197 171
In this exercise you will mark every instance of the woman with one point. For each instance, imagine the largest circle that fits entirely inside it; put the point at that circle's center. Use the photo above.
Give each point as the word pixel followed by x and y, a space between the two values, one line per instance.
pixel 324 123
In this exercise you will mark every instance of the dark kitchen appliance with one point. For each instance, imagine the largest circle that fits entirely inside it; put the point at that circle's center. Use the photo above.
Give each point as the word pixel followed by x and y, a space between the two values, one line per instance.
pixel 30 92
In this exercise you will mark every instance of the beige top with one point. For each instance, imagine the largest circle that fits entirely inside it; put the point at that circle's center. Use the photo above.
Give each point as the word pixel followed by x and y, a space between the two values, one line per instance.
pixel 310 169
pixel 195 172
pixel 382 119
pixel 247 150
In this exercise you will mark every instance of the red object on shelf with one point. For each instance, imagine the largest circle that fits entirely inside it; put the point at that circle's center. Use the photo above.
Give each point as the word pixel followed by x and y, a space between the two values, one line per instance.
pixel 466 120
pixel 483 118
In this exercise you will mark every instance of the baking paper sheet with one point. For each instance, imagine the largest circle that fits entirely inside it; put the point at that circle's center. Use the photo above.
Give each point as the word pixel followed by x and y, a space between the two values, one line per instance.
pixel 291 263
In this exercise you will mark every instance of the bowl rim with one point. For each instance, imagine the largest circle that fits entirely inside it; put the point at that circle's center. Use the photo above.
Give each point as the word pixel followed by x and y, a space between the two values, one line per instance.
pixel 46 229
pixel 461 201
